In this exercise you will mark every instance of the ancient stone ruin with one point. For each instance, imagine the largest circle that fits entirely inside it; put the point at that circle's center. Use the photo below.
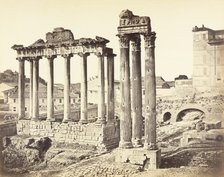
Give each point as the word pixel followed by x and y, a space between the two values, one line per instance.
pixel 131 122
pixel 104 132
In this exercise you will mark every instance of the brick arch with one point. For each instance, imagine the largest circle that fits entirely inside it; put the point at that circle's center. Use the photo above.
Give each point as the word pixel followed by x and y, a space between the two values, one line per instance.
pixel 189 107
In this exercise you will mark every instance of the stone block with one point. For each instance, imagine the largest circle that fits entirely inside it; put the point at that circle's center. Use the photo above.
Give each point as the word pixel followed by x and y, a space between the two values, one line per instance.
pixel 149 159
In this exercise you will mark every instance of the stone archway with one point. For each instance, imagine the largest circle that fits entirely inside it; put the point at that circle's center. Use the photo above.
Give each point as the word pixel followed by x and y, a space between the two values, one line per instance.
pixel 180 113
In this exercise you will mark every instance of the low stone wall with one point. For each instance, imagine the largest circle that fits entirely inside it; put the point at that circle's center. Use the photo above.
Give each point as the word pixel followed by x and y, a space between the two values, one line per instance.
pixel 106 136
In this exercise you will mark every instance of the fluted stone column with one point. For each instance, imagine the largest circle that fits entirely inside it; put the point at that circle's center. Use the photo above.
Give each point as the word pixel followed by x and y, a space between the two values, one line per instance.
pixel 21 89
pixel 84 96
pixel 67 82
pixel 136 104
pixel 125 106
pixel 150 92
pixel 101 90
pixel 35 88
pixel 50 89
pixel 110 88
pixel 31 89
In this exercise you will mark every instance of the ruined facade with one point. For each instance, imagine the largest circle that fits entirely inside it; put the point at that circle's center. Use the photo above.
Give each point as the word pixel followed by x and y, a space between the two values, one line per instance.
pixel 61 42
pixel 208 58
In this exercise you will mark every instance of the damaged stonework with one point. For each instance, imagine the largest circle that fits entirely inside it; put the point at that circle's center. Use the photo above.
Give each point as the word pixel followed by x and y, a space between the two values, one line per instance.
pixel 103 136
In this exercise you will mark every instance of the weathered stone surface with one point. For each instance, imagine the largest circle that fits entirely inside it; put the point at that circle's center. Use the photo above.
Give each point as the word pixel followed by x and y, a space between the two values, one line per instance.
pixel 108 135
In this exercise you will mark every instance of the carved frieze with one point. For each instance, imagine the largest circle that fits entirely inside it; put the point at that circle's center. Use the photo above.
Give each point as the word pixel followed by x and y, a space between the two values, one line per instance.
pixel 130 23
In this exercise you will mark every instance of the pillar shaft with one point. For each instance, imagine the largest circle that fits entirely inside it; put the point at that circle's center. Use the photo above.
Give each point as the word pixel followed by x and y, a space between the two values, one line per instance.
pixel 67 83
pixel 84 96
pixel 136 104
pixel 101 90
pixel 31 89
pixel 150 92
pixel 50 89
pixel 110 88
pixel 125 107
pixel 35 89
pixel 21 89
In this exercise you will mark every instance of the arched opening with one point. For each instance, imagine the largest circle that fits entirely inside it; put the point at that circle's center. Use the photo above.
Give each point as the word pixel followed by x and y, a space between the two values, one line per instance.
pixel 166 116
pixel 190 114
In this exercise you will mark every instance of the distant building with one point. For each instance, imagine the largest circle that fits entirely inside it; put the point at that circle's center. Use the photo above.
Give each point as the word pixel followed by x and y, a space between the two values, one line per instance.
pixel 208 58
pixel 3 87
pixel 12 99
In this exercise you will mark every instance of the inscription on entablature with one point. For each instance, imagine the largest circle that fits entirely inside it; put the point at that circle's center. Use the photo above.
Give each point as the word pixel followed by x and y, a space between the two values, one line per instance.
pixel 135 21
pixel 130 24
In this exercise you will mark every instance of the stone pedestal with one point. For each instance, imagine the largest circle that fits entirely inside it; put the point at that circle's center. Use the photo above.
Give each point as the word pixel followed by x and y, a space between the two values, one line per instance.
pixel 148 159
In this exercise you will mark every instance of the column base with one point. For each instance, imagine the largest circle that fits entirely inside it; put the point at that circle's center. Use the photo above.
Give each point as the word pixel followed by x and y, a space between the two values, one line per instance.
pixel 100 121
pixel 34 119
pixel 83 121
pixel 125 145
pixel 151 146
pixel 137 143
pixel 50 119
pixel 66 120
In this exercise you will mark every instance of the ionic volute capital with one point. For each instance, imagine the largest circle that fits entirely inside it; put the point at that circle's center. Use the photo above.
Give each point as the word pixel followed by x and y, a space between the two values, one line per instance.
pixel 83 55
pixel 99 54
pixel 150 39
pixel 124 41
pixel 20 59
pixel 51 57
pixel 136 42
pixel 67 56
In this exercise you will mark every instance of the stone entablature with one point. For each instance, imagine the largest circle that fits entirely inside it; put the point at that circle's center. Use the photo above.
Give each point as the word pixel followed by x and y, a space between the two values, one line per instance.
pixel 102 136
pixel 61 45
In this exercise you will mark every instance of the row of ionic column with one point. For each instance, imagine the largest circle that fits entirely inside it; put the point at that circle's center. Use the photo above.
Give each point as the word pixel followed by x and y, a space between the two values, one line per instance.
pixel 131 125
pixel 34 87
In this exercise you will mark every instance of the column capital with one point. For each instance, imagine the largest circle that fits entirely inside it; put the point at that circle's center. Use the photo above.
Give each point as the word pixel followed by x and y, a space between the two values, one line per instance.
pixel 136 42
pixel 99 54
pixel 51 57
pixel 83 54
pixel 67 55
pixel 124 41
pixel 150 39
pixel 21 58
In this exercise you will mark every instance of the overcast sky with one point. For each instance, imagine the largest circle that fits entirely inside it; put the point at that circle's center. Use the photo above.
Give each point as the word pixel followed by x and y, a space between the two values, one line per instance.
pixel 25 21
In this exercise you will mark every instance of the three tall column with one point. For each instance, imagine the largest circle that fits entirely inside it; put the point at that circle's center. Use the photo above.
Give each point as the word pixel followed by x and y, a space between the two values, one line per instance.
pixel 131 121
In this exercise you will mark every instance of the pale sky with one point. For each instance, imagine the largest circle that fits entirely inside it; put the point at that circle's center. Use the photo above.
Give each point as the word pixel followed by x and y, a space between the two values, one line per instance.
pixel 25 21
